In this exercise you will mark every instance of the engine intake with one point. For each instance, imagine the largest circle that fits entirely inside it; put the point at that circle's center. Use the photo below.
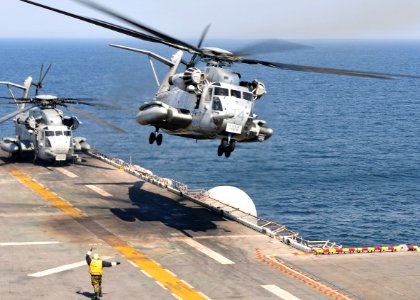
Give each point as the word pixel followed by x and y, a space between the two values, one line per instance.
pixel 184 81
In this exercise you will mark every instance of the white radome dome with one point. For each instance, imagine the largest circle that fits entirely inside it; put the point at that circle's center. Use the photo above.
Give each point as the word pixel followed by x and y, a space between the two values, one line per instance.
pixel 234 197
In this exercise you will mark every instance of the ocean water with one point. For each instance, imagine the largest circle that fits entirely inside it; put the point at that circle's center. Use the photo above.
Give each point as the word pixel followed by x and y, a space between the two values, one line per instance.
pixel 343 163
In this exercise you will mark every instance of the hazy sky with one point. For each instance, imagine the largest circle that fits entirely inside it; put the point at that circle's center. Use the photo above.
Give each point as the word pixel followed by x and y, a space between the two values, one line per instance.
pixel 229 18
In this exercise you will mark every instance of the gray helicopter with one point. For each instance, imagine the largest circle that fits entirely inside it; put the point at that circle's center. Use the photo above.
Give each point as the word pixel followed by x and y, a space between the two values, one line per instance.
pixel 212 102
pixel 41 128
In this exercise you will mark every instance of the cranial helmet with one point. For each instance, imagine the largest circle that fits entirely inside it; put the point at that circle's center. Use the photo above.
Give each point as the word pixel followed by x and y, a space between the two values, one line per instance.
pixel 96 256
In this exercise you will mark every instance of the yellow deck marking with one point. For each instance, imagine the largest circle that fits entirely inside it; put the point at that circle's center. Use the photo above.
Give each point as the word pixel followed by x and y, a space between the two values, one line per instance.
pixel 55 200
pixel 152 268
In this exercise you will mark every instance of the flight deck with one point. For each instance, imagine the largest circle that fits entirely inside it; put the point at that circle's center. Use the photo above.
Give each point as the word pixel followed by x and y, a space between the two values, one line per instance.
pixel 169 246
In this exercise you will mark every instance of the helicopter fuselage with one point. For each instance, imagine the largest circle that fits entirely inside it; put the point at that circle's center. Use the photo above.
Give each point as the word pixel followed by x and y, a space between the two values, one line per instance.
pixel 212 104
pixel 43 131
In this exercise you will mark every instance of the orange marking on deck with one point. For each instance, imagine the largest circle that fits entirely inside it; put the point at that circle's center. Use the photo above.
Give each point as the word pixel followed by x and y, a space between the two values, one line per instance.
pixel 303 277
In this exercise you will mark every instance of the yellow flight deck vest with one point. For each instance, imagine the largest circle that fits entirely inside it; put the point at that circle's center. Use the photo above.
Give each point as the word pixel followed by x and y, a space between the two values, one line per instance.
pixel 95 267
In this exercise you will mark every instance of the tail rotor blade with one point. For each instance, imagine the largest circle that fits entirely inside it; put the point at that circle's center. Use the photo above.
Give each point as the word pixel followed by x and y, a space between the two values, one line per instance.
pixel 203 35
pixel 45 74
pixel 38 85
pixel 200 43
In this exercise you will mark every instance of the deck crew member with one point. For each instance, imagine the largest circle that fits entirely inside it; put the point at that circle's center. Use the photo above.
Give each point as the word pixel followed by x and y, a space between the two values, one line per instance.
pixel 96 265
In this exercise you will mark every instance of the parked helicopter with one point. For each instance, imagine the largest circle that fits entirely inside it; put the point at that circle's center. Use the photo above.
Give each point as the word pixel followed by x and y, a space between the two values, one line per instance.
pixel 209 103
pixel 41 128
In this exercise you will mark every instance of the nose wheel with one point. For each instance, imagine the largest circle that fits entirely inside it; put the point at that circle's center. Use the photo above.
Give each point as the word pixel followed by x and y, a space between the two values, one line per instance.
pixel 156 136
pixel 226 147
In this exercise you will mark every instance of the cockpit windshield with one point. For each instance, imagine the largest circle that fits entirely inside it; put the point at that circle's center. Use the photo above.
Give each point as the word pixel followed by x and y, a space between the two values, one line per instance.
pixel 57 133
pixel 218 91
pixel 248 96
pixel 236 94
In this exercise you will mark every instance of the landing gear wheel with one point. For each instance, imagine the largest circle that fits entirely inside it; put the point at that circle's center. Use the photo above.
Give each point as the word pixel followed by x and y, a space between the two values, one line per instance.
pixel 225 143
pixel 159 139
pixel 226 147
pixel 220 150
pixel 152 138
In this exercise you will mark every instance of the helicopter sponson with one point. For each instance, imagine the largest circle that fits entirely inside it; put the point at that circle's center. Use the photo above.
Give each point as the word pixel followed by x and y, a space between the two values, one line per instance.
pixel 157 112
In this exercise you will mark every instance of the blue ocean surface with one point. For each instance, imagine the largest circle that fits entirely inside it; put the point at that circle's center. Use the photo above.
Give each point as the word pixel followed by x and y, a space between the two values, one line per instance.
pixel 343 163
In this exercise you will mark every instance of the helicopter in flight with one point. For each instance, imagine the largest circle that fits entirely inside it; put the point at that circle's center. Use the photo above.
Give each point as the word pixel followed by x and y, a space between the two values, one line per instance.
pixel 41 128
pixel 211 102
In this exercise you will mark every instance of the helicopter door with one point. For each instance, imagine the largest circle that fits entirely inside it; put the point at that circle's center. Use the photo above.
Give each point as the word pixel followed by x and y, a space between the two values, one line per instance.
pixel 40 138
pixel 207 98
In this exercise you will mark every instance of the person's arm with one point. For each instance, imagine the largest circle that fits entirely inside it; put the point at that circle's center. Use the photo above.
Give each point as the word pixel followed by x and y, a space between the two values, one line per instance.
pixel 88 258
pixel 106 264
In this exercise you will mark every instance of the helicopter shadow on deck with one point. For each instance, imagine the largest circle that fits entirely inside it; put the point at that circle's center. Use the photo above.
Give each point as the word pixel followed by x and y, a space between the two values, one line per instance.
pixel 177 214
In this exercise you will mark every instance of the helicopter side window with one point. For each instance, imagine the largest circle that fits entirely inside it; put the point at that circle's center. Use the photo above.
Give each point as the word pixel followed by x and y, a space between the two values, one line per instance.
pixel 58 133
pixel 221 91
pixel 49 133
pixel 236 94
pixel 248 96
pixel 217 105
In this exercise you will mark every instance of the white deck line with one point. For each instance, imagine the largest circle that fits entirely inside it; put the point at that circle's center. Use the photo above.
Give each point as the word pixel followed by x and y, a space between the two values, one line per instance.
pixel 66 172
pixel 62 268
pixel 29 243
pixel 98 190
pixel 210 253
pixel 285 295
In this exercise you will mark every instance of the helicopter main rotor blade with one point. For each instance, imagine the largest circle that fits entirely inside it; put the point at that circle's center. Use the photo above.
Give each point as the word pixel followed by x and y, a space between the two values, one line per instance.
pixel 148 29
pixel 113 27
pixel 13 114
pixel 14 102
pixel 269 46
pixel 312 69
pixel 96 119
pixel 119 107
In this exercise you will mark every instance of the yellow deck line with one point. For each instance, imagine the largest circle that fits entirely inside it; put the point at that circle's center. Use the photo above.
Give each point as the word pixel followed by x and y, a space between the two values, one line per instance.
pixel 55 200
pixel 168 280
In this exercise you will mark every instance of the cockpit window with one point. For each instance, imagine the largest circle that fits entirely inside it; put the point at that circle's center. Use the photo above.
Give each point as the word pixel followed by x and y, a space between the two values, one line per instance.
pixel 236 94
pixel 217 105
pixel 49 133
pixel 58 133
pixel 221 91
pixel 67 133
pixel 248 96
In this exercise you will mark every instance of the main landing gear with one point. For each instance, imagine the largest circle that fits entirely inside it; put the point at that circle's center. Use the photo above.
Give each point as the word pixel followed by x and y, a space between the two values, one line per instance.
pixel 156 136
pixel 226 146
